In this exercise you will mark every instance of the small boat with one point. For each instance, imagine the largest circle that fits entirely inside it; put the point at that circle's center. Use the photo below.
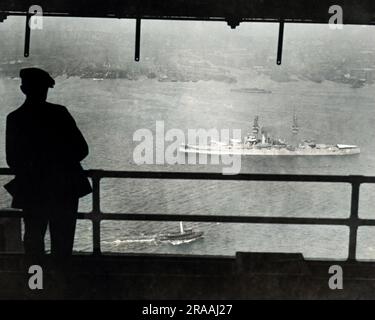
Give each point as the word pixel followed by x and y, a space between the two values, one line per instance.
pixel 183 236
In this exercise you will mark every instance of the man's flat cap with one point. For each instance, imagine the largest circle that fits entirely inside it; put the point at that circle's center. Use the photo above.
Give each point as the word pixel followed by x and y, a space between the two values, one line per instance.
pixel 36 77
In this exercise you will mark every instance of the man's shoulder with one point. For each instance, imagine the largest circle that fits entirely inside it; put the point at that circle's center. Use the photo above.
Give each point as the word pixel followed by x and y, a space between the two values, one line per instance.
pixel 23 112
pixel 59 113
pixel 15 114
pixel 57 108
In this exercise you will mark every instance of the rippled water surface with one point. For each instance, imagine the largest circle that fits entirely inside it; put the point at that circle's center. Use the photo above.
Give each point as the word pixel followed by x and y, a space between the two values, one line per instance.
pixel 110 111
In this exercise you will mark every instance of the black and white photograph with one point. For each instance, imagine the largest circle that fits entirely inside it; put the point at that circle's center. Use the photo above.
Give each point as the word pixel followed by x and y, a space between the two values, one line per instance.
pixel 187 154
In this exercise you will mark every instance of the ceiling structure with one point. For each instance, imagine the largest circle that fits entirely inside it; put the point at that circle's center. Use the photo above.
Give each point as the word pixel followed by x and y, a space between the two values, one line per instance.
pixel 233 12
pixel 310 11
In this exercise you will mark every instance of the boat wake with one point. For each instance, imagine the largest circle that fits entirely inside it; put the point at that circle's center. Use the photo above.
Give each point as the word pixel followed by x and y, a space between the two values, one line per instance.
pixel 130 240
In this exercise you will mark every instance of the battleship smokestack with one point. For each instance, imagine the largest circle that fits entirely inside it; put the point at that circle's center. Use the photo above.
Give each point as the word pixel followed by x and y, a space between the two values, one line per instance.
pixel 295 127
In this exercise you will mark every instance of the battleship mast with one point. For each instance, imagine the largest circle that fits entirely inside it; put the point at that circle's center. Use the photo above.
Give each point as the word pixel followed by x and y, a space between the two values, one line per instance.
pixel 295 127
pixel 256 127
pixel 295 130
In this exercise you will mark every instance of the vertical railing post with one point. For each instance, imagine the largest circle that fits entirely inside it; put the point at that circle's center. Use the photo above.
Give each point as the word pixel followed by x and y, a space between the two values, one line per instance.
pixel 354 220
pixel 96 213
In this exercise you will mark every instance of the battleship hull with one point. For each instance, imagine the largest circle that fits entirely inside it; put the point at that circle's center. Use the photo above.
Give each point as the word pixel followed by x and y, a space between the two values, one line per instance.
pixel 254 151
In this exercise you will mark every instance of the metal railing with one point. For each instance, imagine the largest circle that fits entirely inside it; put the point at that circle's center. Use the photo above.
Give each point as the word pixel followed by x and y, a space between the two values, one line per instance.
pixel 96 215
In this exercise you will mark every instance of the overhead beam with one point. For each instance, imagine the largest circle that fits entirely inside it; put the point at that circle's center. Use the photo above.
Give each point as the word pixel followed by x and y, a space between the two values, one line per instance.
pixel 233 11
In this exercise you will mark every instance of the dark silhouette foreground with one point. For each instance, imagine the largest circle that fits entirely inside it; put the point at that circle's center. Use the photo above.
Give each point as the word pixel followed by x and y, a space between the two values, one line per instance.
pixel 44 147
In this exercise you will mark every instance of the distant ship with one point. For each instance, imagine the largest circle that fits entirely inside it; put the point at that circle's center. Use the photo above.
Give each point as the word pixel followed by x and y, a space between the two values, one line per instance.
pixel 251 90
pixel 260 143
pixel 358 83
pixel 183 236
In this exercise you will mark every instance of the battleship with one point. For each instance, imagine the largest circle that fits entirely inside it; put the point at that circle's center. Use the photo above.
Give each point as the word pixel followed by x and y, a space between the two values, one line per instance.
pixel 259 143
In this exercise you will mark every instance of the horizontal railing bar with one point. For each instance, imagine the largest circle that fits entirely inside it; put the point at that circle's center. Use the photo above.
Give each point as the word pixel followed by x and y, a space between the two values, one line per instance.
pixel 220 218
pixel 6 171
pixel 219 176
pixel 11 213
pixel 205 218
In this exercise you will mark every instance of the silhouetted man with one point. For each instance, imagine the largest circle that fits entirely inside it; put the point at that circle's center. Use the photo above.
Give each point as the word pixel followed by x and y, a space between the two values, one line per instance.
pixel 44 147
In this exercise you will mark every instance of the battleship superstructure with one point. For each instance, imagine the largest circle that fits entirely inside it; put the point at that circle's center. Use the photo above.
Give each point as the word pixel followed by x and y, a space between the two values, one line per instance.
pixel 259 142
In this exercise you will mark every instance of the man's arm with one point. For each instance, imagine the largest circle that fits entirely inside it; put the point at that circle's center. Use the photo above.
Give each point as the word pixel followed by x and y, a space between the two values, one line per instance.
pixel 12 156
pixel 78 146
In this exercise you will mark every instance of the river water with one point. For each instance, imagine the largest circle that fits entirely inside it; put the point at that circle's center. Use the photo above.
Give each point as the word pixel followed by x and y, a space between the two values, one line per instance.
pixel 109 112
